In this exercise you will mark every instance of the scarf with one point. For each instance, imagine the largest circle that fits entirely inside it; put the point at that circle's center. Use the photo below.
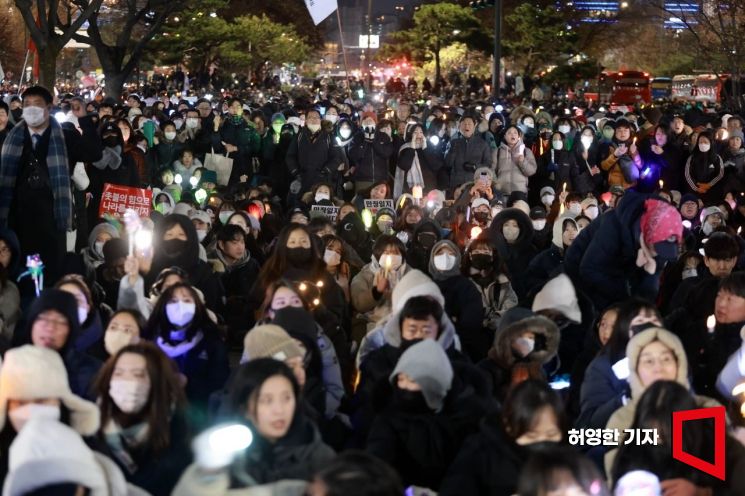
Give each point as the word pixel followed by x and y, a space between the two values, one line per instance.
pixel 120 440
pixel 179 349
pixel 111 158
pixel 59 173
pixel 413 176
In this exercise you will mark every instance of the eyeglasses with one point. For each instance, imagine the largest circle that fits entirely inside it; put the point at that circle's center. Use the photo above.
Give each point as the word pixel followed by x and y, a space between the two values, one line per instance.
pixel 52 322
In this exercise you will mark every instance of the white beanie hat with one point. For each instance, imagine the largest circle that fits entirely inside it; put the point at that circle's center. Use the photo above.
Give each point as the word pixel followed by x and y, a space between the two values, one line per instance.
pixel 33 373
pixel 559 294
pixel 414 283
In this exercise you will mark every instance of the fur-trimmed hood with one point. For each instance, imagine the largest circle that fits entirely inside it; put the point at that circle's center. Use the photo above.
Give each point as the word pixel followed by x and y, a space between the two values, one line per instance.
pixel 514 323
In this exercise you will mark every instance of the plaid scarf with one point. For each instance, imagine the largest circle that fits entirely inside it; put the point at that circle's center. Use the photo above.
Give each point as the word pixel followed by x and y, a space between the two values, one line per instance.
pixel 59 174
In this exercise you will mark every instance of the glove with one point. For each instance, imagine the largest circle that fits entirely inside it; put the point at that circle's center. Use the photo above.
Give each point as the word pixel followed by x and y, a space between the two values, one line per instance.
pixel 80 177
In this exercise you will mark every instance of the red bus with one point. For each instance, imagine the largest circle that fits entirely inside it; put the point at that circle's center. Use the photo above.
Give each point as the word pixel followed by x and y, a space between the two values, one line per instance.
pixel 622 88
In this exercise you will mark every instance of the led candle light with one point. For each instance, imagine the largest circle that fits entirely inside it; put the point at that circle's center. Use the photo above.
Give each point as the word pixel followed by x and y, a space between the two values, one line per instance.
pixel 662 184
pixel 711 323
pixel 387 264
pixel 475 232
pixel 416 192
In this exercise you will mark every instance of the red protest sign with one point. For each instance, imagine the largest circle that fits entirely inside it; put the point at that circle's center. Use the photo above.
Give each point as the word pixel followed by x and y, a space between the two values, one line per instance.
pixel 116 199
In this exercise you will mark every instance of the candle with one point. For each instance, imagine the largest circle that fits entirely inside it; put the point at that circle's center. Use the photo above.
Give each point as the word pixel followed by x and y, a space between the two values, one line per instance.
pixel 662 184
pixel 711 322
pixel 564 187
pixel 387 264
pixel 416 192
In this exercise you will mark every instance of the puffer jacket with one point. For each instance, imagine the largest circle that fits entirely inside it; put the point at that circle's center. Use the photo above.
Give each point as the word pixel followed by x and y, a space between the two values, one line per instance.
pixel 512 176
pixel 461 151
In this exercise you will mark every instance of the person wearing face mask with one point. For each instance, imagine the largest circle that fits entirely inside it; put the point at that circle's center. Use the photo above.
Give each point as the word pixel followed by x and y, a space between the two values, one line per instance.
pixel 491 461
pixel 175 244
pixel 183 330
pixel 37 158
pixel 34 385
pixel 662 160
pixel 336 265
pixel 704 169
pixel 541 228
pixel 238 139
pixel 93 253
pixel 548 263
pixel 462 299
pixel 313 156
pixel 239 274
pixel 320 194
pixel 203 224
pixel 126 327
pixel 370 152
pixel 143 425
pixel 167 149
pixel 297 257
pixel 511 232
pixel 514 162
pixel 555 165
pixel 91 323
pixel 418 163
pixel 466 153
pixel 529 129
pixel 625 252
pixel 424 237
pixel 586 174
pixel 420 382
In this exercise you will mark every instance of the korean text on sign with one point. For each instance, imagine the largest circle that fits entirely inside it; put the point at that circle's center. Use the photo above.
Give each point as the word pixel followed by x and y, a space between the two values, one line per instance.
pixel 116 199
pixel 374 205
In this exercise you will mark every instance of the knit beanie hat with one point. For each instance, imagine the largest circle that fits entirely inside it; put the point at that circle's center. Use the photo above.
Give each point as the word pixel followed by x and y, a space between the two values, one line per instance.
pixel 32 373
pixel 270 341
pixel 427 365
pixel 660 221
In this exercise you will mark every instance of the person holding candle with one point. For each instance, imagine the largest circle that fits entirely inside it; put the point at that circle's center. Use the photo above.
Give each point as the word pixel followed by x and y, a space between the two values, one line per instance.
pixel 622 164
pixel 514 163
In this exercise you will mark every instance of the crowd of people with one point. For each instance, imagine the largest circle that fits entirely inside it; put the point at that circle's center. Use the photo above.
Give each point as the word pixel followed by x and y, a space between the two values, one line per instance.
pixel 333 296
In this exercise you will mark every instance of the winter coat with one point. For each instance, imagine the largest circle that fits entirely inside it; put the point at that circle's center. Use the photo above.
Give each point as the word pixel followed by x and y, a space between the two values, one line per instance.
pixel 245 137
pixel 512 176
pixel 548 263
pixel 363 298
pixel 186 173
pixel 431 163
pixel 607 252
pixel 464 156
pixel 463 305
pixel 668 166
pixel 612 166
pixel 157 474
pixel 370 158
pixel 623 418
pixel 496 298
pixel 517 255
pixel 601 394
pixel 313 158
pixel 166 153
pixel 237 280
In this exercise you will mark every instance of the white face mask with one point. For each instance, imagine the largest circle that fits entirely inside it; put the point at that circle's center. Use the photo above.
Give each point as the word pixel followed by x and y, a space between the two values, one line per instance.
pixel 548 199
pixel 345 132
pixel 114 341
pixel 575 208
pixel 510 233
pixel 529 124
pixel 564 129
pixel 331 258
pixel 98 247
pixel 180 313
pixel 332 118
pixel 34 116
pixel 313 128
pixel 19 416
pixel 82 315
pixel 320 196
pixel 591 212
pixel 704 147
pixel 586 142
pixel 170 135
pixel 558 145
pixel 192 123
pixel 444 261
pixel 201 234
pixel 539 224
pixel 707 228
pixel 225 215
pixel 129 396
pixel 688 273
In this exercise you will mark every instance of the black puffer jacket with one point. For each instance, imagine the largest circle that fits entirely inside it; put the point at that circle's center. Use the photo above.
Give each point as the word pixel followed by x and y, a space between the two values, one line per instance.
pixel 517 255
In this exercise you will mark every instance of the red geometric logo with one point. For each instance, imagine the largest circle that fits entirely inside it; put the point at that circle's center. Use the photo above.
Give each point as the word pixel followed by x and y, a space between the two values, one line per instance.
pixel 718 414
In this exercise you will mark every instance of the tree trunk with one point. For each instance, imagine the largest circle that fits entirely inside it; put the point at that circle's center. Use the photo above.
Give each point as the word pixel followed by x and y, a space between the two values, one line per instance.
pixel 114 84
pixel 437 64
pixel 47 68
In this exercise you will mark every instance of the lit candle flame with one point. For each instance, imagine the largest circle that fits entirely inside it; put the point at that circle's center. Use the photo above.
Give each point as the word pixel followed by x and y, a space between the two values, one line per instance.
pixel 416 192
pixel 711 322
pixel 662 184
pixel 475 232
pixel 564 187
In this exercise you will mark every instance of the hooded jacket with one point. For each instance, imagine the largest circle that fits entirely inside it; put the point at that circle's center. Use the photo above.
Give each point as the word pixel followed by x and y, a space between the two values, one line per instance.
pixel 370 157
pixel 462 304
pixel 237 280
pixel 623 418
pixel 511 175
pixel 515 255
pixel 92 258
pixel 502 361
pixel 548 263
pixel 418 255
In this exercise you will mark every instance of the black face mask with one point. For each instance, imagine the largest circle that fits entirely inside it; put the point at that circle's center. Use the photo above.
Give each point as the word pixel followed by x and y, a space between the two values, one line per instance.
pixel 17 114
pixel 298 256
pixel 427 240
pixel 481 217
pixel 481 261
pixel 408 343
pixel 111 141
pixel 174 248
pixel 636 329
pixel 412 402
